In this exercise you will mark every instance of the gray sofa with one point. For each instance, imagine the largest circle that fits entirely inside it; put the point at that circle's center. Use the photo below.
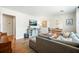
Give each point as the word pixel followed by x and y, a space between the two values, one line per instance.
pixel 44 44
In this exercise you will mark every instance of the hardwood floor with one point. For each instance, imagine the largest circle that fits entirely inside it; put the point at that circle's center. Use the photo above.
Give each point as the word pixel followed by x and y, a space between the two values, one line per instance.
pixel 22 46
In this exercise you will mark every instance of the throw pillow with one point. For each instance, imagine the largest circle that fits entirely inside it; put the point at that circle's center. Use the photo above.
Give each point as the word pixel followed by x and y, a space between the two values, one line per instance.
pixel 77 34
pixel 66 34
pixel 54 35
pixel 74 37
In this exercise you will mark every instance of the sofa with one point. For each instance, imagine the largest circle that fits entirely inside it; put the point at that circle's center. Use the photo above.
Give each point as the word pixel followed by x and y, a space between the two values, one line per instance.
pixel 44 44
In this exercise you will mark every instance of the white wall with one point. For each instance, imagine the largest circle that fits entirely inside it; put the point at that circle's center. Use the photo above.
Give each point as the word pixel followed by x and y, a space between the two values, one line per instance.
pixel 77 20
pixel 42 29
pixel 39 20
pixel 21 21
pixel 0 22
pixel 61 21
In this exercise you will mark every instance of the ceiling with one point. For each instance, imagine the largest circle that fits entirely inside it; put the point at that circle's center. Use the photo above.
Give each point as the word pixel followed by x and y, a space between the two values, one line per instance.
pixel 43 10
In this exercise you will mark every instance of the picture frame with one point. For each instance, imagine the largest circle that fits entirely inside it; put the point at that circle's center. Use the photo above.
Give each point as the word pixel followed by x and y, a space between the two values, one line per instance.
pixel 32 22
pixel 44 23
pixel 69 21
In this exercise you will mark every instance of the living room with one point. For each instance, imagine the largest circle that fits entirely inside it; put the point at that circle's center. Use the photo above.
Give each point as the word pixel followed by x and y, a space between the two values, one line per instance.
pixel 52 20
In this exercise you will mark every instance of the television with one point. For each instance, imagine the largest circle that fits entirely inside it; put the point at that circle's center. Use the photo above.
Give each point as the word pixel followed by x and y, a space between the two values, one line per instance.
pixel 32 22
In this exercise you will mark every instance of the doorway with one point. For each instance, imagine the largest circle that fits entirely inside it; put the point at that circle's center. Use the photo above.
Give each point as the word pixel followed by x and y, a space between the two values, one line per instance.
pixel 9 24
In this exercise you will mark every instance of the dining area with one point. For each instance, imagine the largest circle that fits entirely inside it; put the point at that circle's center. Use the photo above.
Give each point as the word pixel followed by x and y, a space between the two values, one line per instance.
pixel 7 43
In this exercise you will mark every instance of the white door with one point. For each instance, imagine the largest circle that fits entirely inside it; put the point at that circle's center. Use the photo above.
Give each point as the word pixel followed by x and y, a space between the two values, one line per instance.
pixel 8 24
pixel 14 25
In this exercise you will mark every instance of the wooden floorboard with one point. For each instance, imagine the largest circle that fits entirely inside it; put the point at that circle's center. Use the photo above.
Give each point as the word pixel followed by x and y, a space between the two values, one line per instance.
pixel 22 46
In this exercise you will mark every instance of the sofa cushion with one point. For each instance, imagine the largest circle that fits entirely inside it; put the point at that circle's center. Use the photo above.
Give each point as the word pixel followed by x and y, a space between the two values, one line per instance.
pixel 74 37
